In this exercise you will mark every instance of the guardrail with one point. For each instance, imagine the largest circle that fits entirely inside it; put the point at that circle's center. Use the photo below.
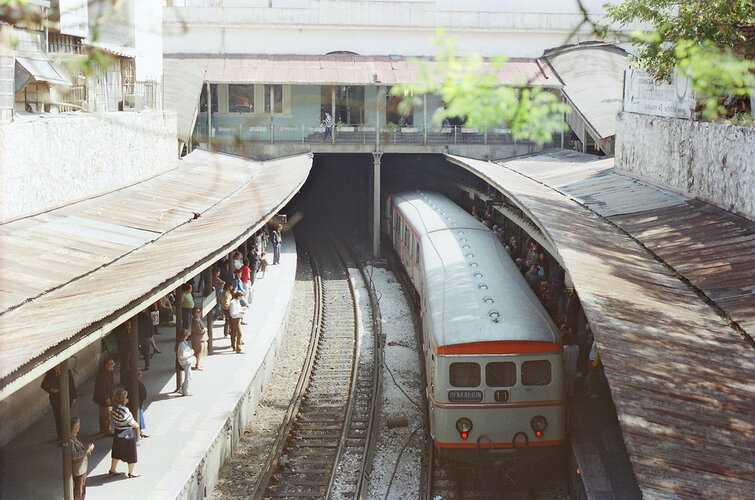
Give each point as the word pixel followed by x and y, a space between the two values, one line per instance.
pixel 272 134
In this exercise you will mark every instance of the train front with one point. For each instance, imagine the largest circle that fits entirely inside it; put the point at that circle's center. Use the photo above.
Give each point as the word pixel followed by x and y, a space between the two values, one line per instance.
pixel 498 399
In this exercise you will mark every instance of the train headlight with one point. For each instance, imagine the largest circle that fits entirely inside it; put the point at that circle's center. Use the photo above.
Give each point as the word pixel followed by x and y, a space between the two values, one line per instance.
pixel 538 424
pixel 464 425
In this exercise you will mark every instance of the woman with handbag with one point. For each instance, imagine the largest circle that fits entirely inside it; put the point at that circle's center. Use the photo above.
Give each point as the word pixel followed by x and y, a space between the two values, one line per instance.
pixel 185 357
pixel 124 441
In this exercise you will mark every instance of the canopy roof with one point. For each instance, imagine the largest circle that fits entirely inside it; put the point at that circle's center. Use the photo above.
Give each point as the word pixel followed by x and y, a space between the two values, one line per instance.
pixel 670 309
pixel 346 69
pixel 73 273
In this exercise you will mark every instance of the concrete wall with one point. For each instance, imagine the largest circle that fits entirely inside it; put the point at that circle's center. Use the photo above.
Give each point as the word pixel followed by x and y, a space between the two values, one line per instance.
pixel 520 28
pixel 49 161
pixel 709 161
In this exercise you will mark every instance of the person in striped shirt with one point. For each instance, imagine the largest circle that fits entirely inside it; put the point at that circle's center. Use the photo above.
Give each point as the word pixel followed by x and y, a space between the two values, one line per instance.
pixel 124 441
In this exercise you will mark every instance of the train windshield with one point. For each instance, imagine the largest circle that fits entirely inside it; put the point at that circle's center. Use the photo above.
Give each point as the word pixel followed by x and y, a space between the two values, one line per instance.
pixel 536 372
pixel 500 374
pixel 465 374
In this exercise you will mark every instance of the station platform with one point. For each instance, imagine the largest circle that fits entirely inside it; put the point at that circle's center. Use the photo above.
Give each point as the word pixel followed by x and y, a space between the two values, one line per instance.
pixel 189 437
pixel 599 467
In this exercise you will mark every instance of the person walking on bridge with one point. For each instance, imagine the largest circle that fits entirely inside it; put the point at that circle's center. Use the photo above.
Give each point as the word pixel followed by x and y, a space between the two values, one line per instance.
pixel 328 122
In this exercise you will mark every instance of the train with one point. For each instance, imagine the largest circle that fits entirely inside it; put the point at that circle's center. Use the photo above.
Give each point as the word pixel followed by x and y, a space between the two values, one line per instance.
pixel 492 354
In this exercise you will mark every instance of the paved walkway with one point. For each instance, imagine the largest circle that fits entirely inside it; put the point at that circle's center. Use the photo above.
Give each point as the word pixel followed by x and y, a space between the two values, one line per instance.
pixel 189 436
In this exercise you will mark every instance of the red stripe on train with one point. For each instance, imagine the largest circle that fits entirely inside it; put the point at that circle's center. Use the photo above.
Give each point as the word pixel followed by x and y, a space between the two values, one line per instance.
pixel 500 445
pixel 500 347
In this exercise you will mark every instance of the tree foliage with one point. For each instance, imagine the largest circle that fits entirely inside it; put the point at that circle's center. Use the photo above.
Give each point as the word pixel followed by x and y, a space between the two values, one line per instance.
pixel 470 90
pixel 724 23
pixel 710 41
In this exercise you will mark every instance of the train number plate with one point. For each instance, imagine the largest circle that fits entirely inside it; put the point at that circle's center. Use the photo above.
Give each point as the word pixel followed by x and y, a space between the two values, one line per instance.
pixel 455 396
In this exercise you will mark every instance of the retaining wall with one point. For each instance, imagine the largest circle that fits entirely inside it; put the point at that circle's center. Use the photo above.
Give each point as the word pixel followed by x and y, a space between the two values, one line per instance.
pixel 50 160
pixel 709 161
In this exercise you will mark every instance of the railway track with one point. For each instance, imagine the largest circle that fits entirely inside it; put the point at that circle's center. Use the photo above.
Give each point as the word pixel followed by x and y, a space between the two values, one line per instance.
pixel 332 411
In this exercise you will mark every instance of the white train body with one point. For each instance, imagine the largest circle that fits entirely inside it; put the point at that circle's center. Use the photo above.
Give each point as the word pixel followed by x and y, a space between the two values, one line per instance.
pixel 493 357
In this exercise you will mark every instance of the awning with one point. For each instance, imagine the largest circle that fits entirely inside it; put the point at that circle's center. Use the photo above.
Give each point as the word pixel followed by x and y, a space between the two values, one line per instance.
pixel 642 261
pixel 43 69
pixel 114 255
pixel 346 69
pixel 182 86
pixel 116 50
pixel 593 77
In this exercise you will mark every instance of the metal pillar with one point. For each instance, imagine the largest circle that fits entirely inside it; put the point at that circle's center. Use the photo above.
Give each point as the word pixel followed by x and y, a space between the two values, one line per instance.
pixel 424 118
pixel 209 292
pixel 65 423
pixel 179 327
pixel 333 114
pixel 209 116
pixel 376 204
pixel 133 379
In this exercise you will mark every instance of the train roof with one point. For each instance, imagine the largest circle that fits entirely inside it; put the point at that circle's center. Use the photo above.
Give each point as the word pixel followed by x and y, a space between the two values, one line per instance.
pixel 473 291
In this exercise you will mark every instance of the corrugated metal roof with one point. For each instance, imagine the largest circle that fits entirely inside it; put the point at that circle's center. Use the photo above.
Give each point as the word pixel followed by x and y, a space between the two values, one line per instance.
pixel 103 259
pixel 345 69
pixel 593 77
pixel 681 377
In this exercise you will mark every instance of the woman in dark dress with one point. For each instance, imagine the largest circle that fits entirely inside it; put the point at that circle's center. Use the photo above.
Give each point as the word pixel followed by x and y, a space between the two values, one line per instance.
pixel 124 441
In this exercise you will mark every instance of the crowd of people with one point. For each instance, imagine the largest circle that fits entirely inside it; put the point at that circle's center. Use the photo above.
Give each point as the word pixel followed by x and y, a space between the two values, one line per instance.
pixel 232 280
pixel 547 278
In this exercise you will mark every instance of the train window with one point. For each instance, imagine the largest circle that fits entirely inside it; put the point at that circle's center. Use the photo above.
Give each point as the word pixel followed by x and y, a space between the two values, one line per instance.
pixel 416 255
pixel 536 372
pixel 465 374
pixel 500 374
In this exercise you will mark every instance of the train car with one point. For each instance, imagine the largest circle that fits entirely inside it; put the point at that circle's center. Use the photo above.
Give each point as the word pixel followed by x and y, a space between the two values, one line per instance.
pixel 493 356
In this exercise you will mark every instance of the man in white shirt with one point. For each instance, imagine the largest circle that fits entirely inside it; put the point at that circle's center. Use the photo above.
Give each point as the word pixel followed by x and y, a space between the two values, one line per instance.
pixel 237 313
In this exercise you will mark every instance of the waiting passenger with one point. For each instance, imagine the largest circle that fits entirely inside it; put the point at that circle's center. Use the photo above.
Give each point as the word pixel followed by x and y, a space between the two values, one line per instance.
pixel 198 331
pixel 571 354
pixel 532 278
pixel 103 393
pixel 79 460
pixel 187 304
pixel 236 311
pixel 185 358
pixel 124 441
pixel 515 250
pixel 237 262
pixel 533 256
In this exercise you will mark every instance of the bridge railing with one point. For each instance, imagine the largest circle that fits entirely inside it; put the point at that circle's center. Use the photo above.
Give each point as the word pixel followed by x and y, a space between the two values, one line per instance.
pixel 422 135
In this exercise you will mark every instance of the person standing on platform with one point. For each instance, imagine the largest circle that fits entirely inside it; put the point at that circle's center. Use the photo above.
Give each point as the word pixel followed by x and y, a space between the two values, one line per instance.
pixel 142 399
pixel 237 312
pixel 225 304
pixel 187 304
pixel 124 440
pixel 217 284
pixel 246 280
pixel 51 385
pixel 103 393
pixel 254 263
pixel 198 331
pixel 571 355
pixel 328 122
pixel 79 460
pixel 185 357
pixel 276 240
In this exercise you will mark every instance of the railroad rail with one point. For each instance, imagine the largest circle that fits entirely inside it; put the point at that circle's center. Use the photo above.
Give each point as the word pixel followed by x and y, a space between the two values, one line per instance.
pixel 331 412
